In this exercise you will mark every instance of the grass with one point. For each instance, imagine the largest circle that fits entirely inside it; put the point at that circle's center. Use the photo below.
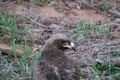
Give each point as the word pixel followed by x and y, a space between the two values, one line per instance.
pixel 83 74
pixel 9 28
pixel 104 5
pixel 17 68
pixel 14 67
pixel 83 29
pixel 110 71
pixel 102 71
pixel 42 2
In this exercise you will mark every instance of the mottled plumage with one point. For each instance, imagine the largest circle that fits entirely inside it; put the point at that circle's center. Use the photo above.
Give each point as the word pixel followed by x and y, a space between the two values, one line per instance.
pixel 54 64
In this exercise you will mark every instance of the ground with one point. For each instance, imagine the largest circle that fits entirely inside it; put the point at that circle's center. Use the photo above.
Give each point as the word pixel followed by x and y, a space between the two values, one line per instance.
pixel 94 26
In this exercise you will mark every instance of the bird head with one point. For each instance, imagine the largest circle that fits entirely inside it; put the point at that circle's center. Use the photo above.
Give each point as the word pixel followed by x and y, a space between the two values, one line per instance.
pixel 61 42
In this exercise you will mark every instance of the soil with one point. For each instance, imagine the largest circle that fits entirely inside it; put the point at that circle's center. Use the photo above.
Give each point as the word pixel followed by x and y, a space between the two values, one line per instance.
pixel 59 17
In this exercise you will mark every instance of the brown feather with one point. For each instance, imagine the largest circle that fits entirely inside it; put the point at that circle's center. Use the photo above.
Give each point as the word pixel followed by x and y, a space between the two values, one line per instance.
pixel 54 64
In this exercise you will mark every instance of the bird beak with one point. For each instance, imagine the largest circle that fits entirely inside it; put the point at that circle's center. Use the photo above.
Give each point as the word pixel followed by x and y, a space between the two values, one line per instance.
pixel 73 47
pixel 70 46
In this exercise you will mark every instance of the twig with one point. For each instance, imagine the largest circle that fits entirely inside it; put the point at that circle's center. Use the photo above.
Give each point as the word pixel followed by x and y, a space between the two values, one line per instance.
pixel 34 21
pixel 7 49
pixel 114 11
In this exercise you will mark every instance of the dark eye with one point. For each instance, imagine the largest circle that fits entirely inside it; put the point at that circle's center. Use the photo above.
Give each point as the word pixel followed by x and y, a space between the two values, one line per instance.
pixel 63 41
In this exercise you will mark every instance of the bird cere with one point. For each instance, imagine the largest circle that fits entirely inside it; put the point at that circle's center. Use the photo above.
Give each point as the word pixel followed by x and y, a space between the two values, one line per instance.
pixel 54 64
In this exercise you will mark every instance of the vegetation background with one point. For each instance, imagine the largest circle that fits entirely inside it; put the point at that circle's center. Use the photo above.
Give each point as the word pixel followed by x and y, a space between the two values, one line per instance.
pixel 94 25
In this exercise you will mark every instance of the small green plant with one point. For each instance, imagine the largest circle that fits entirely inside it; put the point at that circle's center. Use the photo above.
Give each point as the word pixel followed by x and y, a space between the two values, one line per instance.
pixel 104 5
pixel 84 29
pixel 9 28
pixel 15 67
pixel 18 67
pixel 118 53
pixel 42 2
pixel 84 74
pixel 110 71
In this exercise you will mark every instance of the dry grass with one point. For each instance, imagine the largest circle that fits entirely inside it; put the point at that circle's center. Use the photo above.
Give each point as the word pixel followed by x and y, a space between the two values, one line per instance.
pixel 97 46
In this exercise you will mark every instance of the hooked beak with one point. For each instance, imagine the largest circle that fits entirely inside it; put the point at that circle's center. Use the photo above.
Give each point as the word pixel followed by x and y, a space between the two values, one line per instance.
pixel 70 46
pixel 73 47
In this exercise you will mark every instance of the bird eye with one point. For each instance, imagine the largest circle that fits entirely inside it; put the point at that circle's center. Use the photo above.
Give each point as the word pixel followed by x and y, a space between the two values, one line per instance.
pixel 62 41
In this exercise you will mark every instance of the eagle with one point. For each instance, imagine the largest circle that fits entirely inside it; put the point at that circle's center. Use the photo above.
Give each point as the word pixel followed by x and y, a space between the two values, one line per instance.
pixel 53 63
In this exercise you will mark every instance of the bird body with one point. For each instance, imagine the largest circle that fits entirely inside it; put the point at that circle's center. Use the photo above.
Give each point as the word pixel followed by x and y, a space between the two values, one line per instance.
pixel 54 64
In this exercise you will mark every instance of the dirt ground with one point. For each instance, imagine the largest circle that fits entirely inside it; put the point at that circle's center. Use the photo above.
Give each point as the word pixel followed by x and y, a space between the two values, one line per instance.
pixel 57 17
